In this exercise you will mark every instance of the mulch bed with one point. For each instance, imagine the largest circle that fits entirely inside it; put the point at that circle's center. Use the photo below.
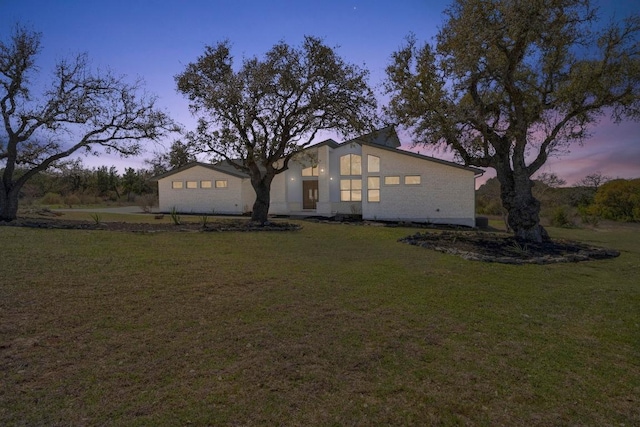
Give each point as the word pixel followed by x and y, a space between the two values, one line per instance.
pixel 495 247
pixel 229 225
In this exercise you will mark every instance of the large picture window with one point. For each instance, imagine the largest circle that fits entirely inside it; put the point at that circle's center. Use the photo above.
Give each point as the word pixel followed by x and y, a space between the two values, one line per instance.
pixel 351 164
pixel 350 190
pixel 373 189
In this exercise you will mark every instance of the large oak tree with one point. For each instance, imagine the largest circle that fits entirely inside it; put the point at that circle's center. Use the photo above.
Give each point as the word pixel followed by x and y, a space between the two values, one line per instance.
pixel 79 110
pixel 258 116
pixel 508 83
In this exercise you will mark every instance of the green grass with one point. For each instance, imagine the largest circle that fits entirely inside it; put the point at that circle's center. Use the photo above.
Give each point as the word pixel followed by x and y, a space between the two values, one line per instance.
pixel 330 325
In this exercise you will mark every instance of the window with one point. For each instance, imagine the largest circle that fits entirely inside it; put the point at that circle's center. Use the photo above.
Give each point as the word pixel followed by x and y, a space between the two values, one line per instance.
pixel 176 184
pixel 373 164
pixel 351 164
pixel 192 184
pixel 205 184
pixel 350 190
pixel 412 180
pixel 222 183
pixel 391 180
pixel 310 171
pixel 373 189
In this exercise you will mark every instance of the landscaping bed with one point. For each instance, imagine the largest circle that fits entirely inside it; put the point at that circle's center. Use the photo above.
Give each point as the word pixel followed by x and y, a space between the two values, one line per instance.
pixel 210 225
pixel 498 247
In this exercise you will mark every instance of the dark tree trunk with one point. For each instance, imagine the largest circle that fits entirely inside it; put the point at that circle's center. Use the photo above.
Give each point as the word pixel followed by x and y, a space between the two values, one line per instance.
pixel 8 203
pixel 523 209
pixel 262 187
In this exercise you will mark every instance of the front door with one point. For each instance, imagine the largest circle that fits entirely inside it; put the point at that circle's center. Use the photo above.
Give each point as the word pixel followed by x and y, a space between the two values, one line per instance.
pixel 309 194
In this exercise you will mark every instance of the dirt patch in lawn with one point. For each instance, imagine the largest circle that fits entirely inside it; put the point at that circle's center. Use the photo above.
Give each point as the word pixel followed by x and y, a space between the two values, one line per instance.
pixel 495 247
pixel 211 225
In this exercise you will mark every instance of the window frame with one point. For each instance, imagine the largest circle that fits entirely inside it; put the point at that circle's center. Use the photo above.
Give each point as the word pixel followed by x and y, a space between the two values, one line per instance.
pixel 373 189
pixel 177 185
pixel 392 183
pixel 221 186
pixel 314 171
pixel 376 160
pixel 412 183
pixel 354 194
pixel 351 165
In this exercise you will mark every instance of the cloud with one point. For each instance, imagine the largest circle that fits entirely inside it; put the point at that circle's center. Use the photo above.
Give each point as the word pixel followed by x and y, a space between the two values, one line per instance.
pixel 613 149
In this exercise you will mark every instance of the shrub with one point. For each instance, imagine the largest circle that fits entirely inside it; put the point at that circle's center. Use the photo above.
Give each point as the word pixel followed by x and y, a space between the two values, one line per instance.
pixel 618 200
pixel 588 215
pixel 51 199
pixel 71 200
pixel 89 199
pixel 146 202
pixel 560 217
pixel 175 217
pixel 97 218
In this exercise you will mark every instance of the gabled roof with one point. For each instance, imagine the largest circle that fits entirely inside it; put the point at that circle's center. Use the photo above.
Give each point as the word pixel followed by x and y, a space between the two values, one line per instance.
pixel 384 139
pixel 476 171
pixel 223 167
pixel 387 139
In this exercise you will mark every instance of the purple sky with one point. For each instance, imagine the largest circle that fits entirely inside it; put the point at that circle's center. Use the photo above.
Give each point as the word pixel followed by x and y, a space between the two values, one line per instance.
pixel 155 40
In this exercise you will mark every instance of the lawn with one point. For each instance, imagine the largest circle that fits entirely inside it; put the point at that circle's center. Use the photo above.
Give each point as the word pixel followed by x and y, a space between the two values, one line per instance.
pixel 330 325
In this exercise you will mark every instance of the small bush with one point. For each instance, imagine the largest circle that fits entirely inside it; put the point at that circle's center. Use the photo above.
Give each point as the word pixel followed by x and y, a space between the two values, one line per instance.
pixel 97 218
pixel 146 202
pixel 175 217
pixel 588 215
pixel 71 200
pixel 560 217
pixel 51 199
pixel 112 196
pixel 89 199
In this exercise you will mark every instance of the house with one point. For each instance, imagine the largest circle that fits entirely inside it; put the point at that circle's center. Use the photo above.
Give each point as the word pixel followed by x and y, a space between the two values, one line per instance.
pixel 369 176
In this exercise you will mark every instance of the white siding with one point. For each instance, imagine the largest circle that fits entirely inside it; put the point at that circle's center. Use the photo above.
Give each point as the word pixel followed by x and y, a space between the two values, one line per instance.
pixel 227 200
pixel 446 194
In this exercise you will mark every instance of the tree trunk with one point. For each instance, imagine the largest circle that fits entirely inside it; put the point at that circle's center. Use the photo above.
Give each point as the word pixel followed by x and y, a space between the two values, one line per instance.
pixel 262 187
pixel 523 209
pixel 8 203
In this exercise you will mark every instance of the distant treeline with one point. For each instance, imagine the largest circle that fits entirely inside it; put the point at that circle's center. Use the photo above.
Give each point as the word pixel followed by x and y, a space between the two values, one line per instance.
pixel 594 198
pixel 73 185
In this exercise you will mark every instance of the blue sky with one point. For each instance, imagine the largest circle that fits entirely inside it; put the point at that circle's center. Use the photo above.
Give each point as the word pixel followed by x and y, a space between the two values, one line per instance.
pixel 155 40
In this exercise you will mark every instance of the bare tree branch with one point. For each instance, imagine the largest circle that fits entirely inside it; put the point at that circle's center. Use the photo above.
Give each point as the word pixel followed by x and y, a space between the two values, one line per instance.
pixel 81 109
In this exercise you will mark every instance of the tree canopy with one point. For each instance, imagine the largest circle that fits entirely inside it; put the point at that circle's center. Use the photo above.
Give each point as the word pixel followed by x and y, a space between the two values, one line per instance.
pixel 79 110
pixel 509 83
pixel 179 154
pixel 259 115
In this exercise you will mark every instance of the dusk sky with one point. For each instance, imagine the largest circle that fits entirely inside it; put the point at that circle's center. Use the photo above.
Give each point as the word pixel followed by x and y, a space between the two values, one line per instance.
pixel 155 40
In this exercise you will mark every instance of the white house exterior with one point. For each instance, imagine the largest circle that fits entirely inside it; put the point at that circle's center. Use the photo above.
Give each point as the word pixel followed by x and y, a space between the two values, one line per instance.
pixel 367 176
